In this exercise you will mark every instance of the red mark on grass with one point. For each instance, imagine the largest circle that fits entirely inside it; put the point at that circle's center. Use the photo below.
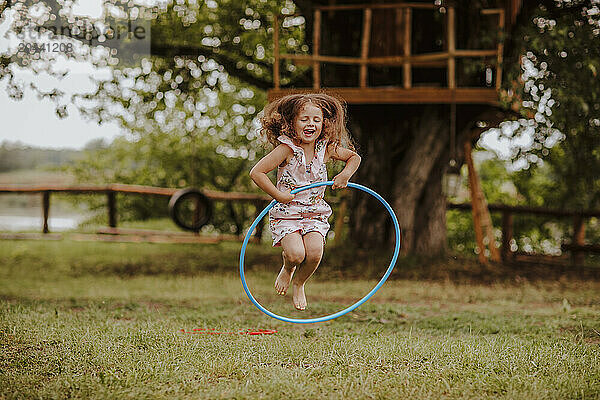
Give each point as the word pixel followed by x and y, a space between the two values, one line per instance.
pixel 211 331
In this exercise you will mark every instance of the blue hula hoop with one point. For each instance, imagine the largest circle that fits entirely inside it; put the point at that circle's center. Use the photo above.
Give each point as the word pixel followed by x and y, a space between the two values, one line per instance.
pixel 353 306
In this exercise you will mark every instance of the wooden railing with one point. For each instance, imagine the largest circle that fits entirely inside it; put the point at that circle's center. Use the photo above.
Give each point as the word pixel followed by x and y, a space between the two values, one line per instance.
pixel 111 191
pixel 408 60
pixel 577 246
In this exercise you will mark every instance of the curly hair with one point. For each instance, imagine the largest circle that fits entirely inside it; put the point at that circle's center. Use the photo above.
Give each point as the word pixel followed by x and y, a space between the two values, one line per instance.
pixel 280 115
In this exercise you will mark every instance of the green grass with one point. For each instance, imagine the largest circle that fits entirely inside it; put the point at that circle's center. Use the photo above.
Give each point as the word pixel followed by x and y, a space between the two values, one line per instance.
pixel 103 320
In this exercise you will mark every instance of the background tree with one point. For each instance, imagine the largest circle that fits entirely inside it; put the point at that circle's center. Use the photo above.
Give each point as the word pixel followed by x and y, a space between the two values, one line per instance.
pixel 559 55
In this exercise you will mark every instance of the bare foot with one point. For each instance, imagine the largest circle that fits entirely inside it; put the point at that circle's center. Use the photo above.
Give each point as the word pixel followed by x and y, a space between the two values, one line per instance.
pixel 282 283
pixel 298 297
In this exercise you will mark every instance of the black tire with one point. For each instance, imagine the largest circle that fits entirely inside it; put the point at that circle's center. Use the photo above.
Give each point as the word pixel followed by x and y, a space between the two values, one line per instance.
pixel 183 215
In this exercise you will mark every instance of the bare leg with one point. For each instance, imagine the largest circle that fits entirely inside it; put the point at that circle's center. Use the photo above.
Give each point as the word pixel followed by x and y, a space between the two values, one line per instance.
pixel 313 245
pixel 293 255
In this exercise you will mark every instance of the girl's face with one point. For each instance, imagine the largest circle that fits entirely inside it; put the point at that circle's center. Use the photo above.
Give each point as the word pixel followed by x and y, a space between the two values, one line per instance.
pixel 309 123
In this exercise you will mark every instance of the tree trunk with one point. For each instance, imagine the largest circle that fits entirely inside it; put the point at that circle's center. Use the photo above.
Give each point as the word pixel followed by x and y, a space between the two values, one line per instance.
pixel 404 151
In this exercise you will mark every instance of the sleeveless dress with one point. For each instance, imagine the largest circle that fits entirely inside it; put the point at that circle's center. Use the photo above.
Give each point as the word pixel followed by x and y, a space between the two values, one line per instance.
pixel 308 212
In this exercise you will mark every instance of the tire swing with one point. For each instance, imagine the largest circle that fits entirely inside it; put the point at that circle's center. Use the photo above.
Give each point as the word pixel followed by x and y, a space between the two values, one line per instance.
pixel 190 209
pixel 353 306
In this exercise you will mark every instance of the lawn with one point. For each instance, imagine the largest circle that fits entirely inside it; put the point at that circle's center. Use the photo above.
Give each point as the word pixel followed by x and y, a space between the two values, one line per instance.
pixel 105 320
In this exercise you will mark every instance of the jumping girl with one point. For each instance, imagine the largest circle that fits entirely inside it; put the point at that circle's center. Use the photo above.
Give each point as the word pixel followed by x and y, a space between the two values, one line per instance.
pixel 306 131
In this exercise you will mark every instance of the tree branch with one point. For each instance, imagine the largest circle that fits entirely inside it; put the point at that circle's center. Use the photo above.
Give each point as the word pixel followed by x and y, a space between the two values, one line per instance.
pixel 226 62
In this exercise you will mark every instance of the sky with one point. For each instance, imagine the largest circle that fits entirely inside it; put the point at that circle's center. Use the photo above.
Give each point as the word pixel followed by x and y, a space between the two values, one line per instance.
pixel 33 121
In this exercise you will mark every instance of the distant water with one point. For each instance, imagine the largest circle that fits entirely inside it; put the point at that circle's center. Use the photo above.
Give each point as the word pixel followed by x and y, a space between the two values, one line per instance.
pixel 22 223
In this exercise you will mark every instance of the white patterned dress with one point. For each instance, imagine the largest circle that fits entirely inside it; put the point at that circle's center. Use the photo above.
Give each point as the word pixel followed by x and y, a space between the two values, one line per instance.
pixel 308 212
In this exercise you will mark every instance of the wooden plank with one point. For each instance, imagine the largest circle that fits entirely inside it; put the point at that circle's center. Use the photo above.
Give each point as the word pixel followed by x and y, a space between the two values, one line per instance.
pixel 339 221
pixel 515 8
pixel 422 6
pixel 406 66
pixel 316 49
pixel 364 46
pixel 45 210
pixel 474 53
pixel 395 95
pixel 424 59
pixel 590 248
pixel 276 52
pixel 481 209
pixel 530 210
pixel 476 209
pixel 539 259
pixel 139 232
pixel 112 209
pixel 500 49
pixel 491 11
pixel 482 220
pixel 384 60
pixel 162 237
pixel 30 236
pixel 144 239
pixel 135 189
pixel 507 235
pixel 451 35
pixel 500 46
pixel 130 189
pixel 32 189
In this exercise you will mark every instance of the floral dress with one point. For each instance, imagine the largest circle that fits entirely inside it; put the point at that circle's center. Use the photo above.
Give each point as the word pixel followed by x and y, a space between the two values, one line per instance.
pixel 308 212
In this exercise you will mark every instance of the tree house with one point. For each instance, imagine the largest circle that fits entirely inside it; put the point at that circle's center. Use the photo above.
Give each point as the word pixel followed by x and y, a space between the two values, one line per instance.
pixel 418 77
pixel 402 30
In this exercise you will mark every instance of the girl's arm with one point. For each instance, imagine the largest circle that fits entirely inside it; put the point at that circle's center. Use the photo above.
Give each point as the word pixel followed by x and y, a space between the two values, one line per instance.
pixel 268 163
pixel 352 161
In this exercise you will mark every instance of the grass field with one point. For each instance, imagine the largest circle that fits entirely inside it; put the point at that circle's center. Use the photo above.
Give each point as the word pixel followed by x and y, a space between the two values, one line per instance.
pixel 104 320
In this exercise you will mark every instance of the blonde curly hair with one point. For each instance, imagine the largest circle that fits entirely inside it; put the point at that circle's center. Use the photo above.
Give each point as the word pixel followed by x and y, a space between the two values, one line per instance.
pixel 280 115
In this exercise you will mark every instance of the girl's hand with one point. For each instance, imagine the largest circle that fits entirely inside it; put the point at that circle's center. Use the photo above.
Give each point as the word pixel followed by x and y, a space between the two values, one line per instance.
pixel 284 197
pixel 340 181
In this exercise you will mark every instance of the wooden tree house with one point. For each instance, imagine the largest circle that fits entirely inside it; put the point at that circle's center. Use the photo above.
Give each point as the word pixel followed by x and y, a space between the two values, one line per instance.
pixel 409 59
pixel 397 39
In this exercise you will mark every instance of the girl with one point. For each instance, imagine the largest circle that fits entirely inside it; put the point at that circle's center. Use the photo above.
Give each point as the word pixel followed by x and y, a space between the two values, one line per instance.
pixel 306 131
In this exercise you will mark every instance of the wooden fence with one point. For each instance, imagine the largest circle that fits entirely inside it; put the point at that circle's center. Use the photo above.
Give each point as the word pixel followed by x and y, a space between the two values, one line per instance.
pixel 577 246
pixel 111 191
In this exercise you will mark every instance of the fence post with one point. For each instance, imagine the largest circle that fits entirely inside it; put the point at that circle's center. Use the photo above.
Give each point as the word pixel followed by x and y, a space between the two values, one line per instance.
pixel 406 66
pixel 507 235
pixel 46 210
pixel 339 221
pixel 317 49
pixel 260 205
pixel 578 239
pixel 451 34
pixel 364 47
pixel 276 52
pixel 112 209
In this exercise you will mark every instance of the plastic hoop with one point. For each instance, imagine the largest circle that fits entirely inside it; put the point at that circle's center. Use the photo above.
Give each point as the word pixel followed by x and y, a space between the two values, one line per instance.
pixel 353 306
